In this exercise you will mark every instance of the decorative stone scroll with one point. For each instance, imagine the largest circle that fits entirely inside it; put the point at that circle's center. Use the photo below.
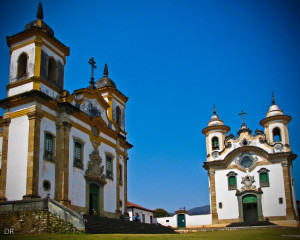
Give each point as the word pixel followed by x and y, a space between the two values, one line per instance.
pixel 248 181
pixel 95 170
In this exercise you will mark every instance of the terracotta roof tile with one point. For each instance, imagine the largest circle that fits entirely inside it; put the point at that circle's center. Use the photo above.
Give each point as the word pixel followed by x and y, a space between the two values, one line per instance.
pixel 133 205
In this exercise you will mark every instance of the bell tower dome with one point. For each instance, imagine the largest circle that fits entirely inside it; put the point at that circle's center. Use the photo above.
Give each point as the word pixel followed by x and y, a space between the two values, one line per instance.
pixel 37 59
pixel 276 126
pixel 215 134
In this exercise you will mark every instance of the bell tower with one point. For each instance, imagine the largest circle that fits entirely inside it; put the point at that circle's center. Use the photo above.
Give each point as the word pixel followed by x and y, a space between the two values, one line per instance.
pixel 215 134
pixel 276 126
pixel 37 59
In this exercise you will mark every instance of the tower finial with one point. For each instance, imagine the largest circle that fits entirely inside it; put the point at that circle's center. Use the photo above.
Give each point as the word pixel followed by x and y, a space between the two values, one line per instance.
pixel 273 99
pixel 39 13
pixel 214 111
pixel 105 72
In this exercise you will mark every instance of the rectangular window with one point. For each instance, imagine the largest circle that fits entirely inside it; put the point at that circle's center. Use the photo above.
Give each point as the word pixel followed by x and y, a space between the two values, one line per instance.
pixel 78 154
pixel 143 218
pixel 264 179
pixel 109 168
pixel 49 147
pixel 220 205
pixel 232 183
pixel 280 200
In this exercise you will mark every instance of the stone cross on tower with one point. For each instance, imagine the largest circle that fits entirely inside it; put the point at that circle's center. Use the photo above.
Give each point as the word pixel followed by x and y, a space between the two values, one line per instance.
pixel 243 113
pixel 92 82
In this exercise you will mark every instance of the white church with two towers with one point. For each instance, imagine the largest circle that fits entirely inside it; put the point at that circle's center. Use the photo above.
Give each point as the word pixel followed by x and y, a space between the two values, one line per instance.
pixel 250 175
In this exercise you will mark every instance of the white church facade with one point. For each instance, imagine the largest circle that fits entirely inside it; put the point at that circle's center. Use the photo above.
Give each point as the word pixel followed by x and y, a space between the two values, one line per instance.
pixel 250 175
pixel 71 146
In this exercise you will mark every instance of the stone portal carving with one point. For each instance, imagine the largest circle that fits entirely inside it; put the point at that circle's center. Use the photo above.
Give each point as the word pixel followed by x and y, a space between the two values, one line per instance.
pixel 248 181
pixel 95 170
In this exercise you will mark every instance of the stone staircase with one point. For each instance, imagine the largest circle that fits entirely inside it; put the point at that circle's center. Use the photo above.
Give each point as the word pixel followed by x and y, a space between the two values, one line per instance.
pixel 97 225
pixel 251 224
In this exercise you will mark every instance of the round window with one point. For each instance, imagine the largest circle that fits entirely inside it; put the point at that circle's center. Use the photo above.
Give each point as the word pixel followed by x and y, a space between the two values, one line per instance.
pixel 46 185
pixel 247 162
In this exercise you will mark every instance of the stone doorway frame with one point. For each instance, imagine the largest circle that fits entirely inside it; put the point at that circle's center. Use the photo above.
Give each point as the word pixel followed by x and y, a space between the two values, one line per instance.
pixel 100 197
pixel 258 193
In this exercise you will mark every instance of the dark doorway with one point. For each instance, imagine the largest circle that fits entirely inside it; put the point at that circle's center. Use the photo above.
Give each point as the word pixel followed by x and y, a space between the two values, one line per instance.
pixel 250 208
pixel 181 221
pixel 94 199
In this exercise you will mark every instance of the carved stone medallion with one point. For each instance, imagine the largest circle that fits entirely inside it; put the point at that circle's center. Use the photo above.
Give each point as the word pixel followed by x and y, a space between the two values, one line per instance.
pixel 95 170
pixel 248 181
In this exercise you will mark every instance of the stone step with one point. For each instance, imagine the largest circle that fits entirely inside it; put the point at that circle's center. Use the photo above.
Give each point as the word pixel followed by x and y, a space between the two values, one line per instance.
pixel 97 225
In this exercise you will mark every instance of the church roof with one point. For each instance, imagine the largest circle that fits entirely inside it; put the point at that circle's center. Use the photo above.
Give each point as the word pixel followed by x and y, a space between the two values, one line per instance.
pixel 133 205
pixel 105 81
pixel 34 26
pixel 215 120
pixel 274 110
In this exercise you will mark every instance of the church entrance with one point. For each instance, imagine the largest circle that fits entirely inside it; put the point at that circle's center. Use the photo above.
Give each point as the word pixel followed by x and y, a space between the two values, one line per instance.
pixel 181 221
pixel 250 208
pixel 94 200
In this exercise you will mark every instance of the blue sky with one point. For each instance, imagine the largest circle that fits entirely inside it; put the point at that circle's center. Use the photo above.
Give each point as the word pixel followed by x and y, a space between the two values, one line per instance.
pixel 174 60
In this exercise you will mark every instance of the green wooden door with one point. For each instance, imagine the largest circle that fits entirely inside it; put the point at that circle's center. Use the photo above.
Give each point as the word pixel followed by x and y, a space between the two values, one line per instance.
pixel 94 199
pixel 250 208
pixel 181 221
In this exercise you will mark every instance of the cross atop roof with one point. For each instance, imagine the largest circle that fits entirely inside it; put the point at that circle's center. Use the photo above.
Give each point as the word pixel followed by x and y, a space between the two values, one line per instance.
pixel 243 113
pixel 93 65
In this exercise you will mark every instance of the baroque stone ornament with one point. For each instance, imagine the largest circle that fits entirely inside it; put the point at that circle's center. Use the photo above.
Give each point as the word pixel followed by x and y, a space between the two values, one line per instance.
pixel 248 183
pixel 95 170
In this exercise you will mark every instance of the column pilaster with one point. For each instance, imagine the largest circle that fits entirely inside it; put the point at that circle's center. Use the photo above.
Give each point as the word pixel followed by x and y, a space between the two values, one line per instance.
pixel 33 159
pixel 214 213
pixel 290 213
pixel 6 123
pixel 62 163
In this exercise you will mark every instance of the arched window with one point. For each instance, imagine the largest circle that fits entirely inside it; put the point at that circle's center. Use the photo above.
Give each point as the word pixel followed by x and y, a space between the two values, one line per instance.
pixel 264 177
pixel 52 69
pixel 276 134
pixel 215 143
pixel 78 154
pixel 232 180
pixel 118 116
pixel 109 167
pixel 22 65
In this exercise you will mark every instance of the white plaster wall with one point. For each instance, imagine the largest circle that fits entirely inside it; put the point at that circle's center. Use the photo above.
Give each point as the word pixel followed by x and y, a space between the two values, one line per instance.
pixel 20 107
pixel 229 200
pixel 20 89
pixel 122 186
pixel 110 191
pixel 168 221
pixel 48 110
pixel 17 158
pixel 108 138
pixel 271 195
pixel 49 91
pixel 80 122
pixel 30 50
pixel 147 214
pixel 77 188
pixel 46 168
pixel 50 51
pixel 198 220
